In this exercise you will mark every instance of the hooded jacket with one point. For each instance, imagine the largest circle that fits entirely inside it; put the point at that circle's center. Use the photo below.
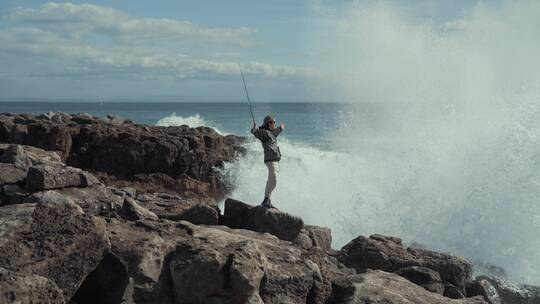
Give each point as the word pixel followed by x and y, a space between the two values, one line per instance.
pixel 268 139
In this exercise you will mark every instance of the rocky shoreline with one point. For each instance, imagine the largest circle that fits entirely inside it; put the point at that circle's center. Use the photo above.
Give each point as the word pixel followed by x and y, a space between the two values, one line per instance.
pixel 108 211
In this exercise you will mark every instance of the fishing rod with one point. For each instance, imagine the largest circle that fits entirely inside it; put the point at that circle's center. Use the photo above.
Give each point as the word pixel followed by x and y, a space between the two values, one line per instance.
pixel 247 95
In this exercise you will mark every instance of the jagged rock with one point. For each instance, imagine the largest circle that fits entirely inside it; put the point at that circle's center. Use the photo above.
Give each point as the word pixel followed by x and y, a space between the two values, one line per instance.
pixel 510 292
pixel 96 200
pixel 18 288
pixel 303 240
pixel 201 215
pixel 425 277
pixel 140 255
pixel 13 194
pixel 221 265
pixel 188 156
pixel 320 236
pixel 376 286
pixel 15 154
pixel 165 206
pixel 389 254
pixel 11 174
pixel 132 211
pixel 53 239
pixel 26 156
pixel 235 213
pixel 453 292
pixel 261 219
pixel 483 287
pixel 46 177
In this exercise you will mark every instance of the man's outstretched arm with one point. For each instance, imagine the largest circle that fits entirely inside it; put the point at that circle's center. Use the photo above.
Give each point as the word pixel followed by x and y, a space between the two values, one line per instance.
pixel 279 129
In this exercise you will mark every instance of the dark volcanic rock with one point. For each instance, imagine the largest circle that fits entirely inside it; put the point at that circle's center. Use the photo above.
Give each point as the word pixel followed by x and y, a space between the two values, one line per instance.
pixel 126 149
pixel 235 213
pixel 383 287
pixel 261 219
pixel 389 254
pixel 54 239
pixel 425 277
pixel 17 288
pixel 508 291
pixel 483 287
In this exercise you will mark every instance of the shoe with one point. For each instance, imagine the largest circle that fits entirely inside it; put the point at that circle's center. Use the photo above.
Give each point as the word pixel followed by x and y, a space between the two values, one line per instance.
pixel 267 203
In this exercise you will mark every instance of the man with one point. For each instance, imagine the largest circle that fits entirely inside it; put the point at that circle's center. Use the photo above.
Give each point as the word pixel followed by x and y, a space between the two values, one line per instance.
pixel 267 134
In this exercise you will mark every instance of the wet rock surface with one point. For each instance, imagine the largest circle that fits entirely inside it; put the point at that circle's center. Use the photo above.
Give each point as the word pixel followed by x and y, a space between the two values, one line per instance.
pixel 147 229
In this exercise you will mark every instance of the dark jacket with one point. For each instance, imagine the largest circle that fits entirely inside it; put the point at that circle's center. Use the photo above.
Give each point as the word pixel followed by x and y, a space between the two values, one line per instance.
pixel 269 142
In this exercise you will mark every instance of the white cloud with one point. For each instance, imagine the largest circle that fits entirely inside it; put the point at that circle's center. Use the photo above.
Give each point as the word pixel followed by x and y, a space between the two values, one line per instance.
pixel 93 40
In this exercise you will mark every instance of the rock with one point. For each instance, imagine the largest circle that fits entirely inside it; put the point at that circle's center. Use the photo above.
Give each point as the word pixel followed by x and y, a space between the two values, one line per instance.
pixel 13 194
pixel 25 156
pixel 53 239
pixel 261 219
pixel 15 154
pixel 389 254
pixel 201 215
pixel 230 274
pixel 221 265
pixel 46 177
pixel 425 277
pixel 18 288
pixel 11 174
pixel 139 262
pixel 235 213
pixel 132 211
pixel 376 286
pixel 483 287
pixel 453 292
pixel 320 236
pixel 508 291
pixel 122 149
pixel 303 240
pixel 165 206
pixel 453 269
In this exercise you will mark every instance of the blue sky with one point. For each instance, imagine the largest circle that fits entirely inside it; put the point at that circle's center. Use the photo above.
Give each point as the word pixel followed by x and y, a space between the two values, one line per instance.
pixel 184 49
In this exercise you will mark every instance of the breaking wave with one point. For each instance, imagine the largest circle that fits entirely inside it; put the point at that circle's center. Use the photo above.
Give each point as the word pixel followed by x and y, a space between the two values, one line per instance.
pixel 192 121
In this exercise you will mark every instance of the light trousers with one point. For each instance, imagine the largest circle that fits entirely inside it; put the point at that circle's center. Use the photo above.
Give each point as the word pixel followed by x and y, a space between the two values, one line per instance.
pixel 273 169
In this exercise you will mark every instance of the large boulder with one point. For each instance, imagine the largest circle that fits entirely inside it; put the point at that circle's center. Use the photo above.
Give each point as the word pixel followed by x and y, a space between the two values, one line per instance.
pixel 389 254
pixel 47 177
pixel 506 291
pixel 311 236
pixel 54 239
pixel 11 174
pixel 376 286
pixel 18 288
pixel 221 265
pixel 136 269
pixel 258 218
pixel 425 277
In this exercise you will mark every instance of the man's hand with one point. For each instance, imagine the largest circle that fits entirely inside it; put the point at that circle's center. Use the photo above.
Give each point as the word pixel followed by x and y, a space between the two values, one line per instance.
pixel 282 125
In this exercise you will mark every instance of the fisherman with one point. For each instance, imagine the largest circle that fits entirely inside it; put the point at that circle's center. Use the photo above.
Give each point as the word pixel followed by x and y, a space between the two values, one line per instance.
pixel 267 134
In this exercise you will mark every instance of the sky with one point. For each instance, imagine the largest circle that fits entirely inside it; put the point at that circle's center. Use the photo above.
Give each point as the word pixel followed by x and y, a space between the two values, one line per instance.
pixel 180 50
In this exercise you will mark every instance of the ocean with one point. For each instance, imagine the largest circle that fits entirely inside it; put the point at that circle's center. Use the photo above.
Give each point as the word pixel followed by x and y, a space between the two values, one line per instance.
pixel 457 181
